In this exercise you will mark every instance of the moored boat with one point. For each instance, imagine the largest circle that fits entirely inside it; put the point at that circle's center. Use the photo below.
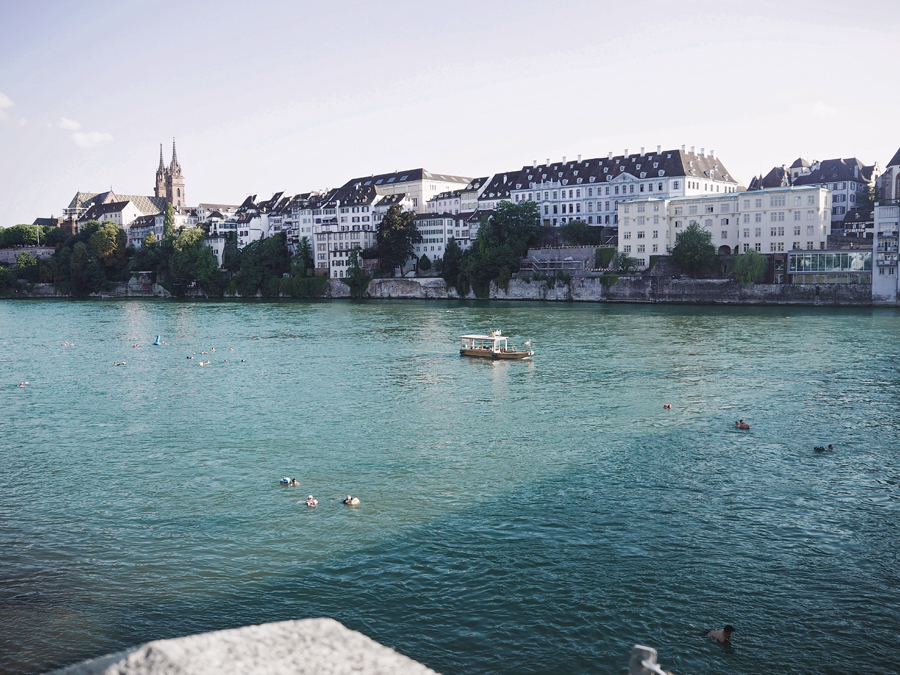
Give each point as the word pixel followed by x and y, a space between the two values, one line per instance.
pixel 493 346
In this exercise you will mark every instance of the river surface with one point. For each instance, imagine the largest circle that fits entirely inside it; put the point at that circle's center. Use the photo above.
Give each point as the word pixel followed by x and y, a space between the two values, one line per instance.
pixel 538 516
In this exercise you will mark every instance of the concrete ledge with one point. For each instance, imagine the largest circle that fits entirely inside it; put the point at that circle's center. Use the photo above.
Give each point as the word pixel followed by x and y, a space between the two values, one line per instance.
pixel 321 646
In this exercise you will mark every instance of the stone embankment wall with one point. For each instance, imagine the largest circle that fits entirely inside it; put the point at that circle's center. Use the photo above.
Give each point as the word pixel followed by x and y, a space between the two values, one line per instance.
pixel 624 289
pixel 8 255
pixel 640 289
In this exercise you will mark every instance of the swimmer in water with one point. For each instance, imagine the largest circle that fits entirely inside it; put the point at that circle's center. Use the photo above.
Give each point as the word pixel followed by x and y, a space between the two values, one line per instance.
pixel 311 501
pixel 295 482
pixel 22 384
pixel 722 636
pixel 351 501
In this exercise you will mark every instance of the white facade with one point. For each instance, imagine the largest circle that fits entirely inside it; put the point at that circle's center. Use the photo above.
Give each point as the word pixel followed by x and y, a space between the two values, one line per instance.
pixel 436 231
pixel 885 247
pixel 446 202
pixel 767 221
pixel 591 190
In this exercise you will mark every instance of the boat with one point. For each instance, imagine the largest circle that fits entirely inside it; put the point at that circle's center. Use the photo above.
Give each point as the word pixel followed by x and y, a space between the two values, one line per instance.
pixel 493 346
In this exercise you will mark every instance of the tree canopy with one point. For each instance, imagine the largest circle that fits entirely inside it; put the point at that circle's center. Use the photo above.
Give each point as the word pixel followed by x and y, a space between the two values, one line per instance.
pixel 750 268
pixel 396 238
pixel 693 252
pixel 579 233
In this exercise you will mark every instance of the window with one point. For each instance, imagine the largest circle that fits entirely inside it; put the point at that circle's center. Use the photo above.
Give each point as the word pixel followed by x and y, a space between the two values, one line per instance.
pixel 656 248
pixel 796 246
pixel 708 223
pixel 810 200
pixel 746 233
pixel 626 248
pixel 758 247
pixel 640 208
pixel 758 202
pixel 656 234
pixel 810 230
pixel 724 234
pixel 679 210
pixel 746 217
pixel 796 200
pixel 692 209
pixel 796 230
pixel 709 209
pixel 776 200
pixel 780 231
pixel 641 248
pixel 746 203
pixel 757 218
pixel 641 220
pixel 640 234
pixel 676 184
pixel 626 235
pixel 809 246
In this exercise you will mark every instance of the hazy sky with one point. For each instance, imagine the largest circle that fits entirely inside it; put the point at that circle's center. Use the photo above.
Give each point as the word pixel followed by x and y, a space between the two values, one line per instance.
pixel 294 96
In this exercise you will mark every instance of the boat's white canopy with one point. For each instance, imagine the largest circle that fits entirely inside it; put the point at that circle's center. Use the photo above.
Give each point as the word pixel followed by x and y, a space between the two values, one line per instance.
pixel 483 337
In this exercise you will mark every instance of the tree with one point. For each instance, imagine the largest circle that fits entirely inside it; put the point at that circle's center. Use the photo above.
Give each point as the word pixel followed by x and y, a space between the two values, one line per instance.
pixel 169 221
pixel 603 257
pixel 579 233
pixel 107 243
pixel 303 262
pixel 397 236
pixel 502 241
pixel 26 266
pixel 424 262
pixel 750 268
pixel 693 251
pixel 452 259
pixel 150 240
pixel 865 198
pixel 624 263
pixel 356 279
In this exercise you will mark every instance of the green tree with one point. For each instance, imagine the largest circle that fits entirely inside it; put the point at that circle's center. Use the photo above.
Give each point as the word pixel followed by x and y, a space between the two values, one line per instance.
pixel 169 221
pixel 397 236
pixel 623 263
pixel 107 243
pixel 356 279
pixel 150 239
pixel 579 233
pixel 26 267
pixel 603 257
pixel 231 254
pixel 693 251
pixel 865 198
pixel 452 259
pixel 303 262
pixel 53 236
pixel 502 241
pixel 424 262
pixel 750 268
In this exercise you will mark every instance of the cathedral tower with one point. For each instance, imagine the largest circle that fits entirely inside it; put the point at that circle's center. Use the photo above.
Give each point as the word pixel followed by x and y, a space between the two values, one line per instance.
pixel 175 181
pixel 169 181
pixel 160 189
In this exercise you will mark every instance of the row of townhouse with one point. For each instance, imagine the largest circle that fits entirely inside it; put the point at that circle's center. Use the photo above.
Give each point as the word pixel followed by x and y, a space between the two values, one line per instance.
pixel 886 238
pixel 767 221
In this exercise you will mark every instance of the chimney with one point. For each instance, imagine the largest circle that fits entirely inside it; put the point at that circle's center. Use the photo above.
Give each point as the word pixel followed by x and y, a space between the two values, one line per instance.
pixel 579 158
pixel 658 149
pixel 504 179
pixel 702 150
pixel 610 154
pixel 534 164
pixel 548 162
pixel 856 171
pixel 642 151
pixel 692 148
pixel 712 153
pixel 564 159
pixel 682 148
pixel 626 153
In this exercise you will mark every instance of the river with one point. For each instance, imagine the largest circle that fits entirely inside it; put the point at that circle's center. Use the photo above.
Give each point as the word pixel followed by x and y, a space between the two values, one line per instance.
pixel 537 516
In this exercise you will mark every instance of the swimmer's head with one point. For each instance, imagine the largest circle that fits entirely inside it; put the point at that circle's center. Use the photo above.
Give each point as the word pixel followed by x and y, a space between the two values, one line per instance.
pixel 729 629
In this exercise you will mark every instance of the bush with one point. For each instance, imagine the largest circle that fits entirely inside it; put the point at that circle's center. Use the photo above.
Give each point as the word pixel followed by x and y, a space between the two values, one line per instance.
pixel 603 256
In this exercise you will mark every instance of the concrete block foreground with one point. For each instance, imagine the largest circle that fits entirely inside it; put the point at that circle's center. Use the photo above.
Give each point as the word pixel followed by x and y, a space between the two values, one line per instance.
pixel 321 646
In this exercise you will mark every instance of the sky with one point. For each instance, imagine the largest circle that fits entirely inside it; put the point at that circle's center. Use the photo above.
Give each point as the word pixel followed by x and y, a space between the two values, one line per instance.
pixel 297 96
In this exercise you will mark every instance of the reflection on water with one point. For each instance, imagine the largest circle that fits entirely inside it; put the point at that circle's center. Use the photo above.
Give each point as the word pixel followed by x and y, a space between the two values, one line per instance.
pixel 517 516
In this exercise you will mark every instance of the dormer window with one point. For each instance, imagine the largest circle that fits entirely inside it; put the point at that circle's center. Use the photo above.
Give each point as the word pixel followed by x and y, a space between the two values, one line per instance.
pixel 592 178
pixel 662 173
pixel 655 164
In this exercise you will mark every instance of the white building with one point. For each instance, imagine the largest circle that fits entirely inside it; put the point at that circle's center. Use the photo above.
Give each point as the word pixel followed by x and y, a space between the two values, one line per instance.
pixel 419 184
pixel 885 276
pixel 445 202
pixel 590 190
pixel 436 231
pixel 767 221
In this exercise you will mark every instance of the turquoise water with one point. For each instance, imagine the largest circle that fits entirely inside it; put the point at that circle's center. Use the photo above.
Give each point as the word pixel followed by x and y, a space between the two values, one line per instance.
pixel 517 517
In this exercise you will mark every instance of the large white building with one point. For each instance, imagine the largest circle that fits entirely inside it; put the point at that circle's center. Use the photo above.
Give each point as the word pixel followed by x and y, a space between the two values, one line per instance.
pixel 591 190
pixel 885 276
pixel 421 185
pixel 767 221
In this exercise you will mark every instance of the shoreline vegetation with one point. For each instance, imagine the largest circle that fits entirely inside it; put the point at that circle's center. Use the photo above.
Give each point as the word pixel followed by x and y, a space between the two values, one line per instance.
pixel 95 263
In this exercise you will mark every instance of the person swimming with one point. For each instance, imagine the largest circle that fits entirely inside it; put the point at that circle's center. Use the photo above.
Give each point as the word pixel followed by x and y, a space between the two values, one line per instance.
pixel 351 501
pixel 721 636
pixel 295 482
pixel 311 501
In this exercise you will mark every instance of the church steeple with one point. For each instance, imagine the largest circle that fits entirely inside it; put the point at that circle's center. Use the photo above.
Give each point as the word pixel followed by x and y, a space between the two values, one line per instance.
pixel 161 176
pixel 162 166
pixel 174 167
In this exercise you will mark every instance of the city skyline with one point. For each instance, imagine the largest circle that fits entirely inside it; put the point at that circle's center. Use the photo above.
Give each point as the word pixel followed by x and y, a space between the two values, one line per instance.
pixel 298 98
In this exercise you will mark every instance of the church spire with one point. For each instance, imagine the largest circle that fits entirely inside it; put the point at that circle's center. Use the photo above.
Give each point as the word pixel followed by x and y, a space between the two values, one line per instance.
pixel 162 166
pixel 174 168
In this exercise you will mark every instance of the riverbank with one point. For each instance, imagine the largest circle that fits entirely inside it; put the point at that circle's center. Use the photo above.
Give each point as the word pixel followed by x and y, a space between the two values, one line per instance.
pixel 628 289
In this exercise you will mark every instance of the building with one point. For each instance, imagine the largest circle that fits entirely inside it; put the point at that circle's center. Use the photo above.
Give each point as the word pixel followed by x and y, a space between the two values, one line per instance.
pixel 468 196
pixel 169 181
pixel 885 241
pixel 591 190
pixel 859 223
pixel 419 184
pixel 436 230
pixel 848 179
pixel 767 221
pixel 445 202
